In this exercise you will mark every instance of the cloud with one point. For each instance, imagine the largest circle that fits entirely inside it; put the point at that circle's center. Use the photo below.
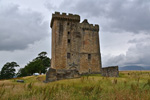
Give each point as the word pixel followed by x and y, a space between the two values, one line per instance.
pixel 22 57
pixel 112 15
pixel 20 28
pixel 138 54
pixel 110 60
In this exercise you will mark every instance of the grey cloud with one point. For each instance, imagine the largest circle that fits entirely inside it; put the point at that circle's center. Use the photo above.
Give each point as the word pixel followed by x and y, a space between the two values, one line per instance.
pixel 117 15
pixel 19 29
pixel 141 40
pixel 49 5
pixel 113 60
pixel 136 55
pixel 131 16
pixel 139 54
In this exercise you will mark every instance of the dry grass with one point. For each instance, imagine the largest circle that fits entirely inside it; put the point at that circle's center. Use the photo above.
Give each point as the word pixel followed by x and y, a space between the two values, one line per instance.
pixel 131 85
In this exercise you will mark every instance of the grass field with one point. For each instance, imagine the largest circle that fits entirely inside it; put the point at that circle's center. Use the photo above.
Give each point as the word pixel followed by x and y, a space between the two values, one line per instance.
pixel 131 85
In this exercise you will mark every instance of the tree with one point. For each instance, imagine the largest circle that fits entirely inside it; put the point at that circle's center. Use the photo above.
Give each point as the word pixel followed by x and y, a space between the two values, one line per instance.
pixel 8 70
pixel 22 72
pixel 37 65
pixel 42 55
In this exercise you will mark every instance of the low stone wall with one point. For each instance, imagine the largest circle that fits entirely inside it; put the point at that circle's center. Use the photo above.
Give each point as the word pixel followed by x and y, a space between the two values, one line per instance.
pixel 54 75
pixel 111 71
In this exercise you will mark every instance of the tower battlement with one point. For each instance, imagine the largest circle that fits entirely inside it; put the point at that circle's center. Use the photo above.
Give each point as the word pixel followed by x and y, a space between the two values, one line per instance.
pixel 90 27
pixel 86 26
pixel 64 16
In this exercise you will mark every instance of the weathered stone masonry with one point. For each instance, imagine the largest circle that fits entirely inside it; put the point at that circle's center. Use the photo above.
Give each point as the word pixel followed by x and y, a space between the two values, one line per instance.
pixel 75 44
pixel 111 71
pixel 59 74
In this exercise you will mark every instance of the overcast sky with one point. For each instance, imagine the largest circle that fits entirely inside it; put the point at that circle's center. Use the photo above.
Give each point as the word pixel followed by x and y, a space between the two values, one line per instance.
pixel 124 28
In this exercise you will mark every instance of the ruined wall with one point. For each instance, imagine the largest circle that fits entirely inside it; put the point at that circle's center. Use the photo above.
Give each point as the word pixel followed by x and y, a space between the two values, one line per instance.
pixel 59 74
pixel 111 71
pixel 75 44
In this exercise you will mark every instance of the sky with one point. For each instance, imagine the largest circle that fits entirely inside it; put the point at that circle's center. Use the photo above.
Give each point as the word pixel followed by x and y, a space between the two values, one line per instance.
pixel 124 29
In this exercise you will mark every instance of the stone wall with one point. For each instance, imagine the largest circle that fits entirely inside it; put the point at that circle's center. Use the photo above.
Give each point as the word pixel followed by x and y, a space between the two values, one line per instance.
pixel 59 74
pixel 111 71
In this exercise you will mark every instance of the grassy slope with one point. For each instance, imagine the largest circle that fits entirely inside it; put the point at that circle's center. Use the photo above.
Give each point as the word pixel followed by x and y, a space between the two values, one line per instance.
pixel 131 85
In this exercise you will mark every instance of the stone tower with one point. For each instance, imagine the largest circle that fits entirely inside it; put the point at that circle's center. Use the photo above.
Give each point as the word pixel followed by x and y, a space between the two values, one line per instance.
pixel 75 44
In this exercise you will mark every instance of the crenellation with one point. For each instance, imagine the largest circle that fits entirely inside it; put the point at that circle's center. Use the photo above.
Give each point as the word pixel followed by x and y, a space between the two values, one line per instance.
pixel 63 13
pixel 76 15
pixel 90 27
pixel 64 16
pixel 57 13
pixel 86 26
pixel 70 14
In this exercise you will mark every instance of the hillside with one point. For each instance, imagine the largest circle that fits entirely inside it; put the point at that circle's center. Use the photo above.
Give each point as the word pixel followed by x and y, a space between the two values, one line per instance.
pixel 130 85
pixel 133 68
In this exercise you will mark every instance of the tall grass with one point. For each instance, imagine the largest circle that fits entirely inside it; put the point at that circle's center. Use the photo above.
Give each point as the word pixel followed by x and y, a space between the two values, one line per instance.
pixel 129 86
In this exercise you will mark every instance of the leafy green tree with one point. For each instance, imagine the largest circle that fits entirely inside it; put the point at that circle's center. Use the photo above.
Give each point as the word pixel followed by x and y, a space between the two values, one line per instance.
pixel 37 65
pixel 22 72
pixel 8 70
pixel 42 55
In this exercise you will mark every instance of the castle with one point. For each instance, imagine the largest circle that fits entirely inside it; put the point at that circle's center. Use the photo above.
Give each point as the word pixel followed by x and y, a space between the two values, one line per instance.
pixel 75 47
pixel 75 44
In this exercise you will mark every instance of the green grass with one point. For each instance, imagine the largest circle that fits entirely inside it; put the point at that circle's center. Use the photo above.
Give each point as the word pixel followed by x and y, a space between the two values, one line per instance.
pixel 131 85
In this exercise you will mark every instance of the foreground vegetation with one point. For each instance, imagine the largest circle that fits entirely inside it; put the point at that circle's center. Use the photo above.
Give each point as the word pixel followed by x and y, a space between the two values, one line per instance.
pixel 131 85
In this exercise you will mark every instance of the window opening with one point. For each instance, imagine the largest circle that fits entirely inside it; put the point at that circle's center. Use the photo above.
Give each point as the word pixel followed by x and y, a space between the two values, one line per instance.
pixel 89 56
pixel 68 55
pixel 68 33
pixel 68 40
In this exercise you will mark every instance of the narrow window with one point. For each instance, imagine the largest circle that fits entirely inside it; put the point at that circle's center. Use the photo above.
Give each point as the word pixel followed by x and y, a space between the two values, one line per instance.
pixel 68 55
pixel 68 40
pixel 68 33
pixel 89 70
pixel 68 23
pixel 89 56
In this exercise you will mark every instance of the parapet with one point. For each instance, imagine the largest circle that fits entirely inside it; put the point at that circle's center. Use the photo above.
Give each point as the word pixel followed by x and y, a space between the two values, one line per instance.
pixel 64 16
pixel 86 26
